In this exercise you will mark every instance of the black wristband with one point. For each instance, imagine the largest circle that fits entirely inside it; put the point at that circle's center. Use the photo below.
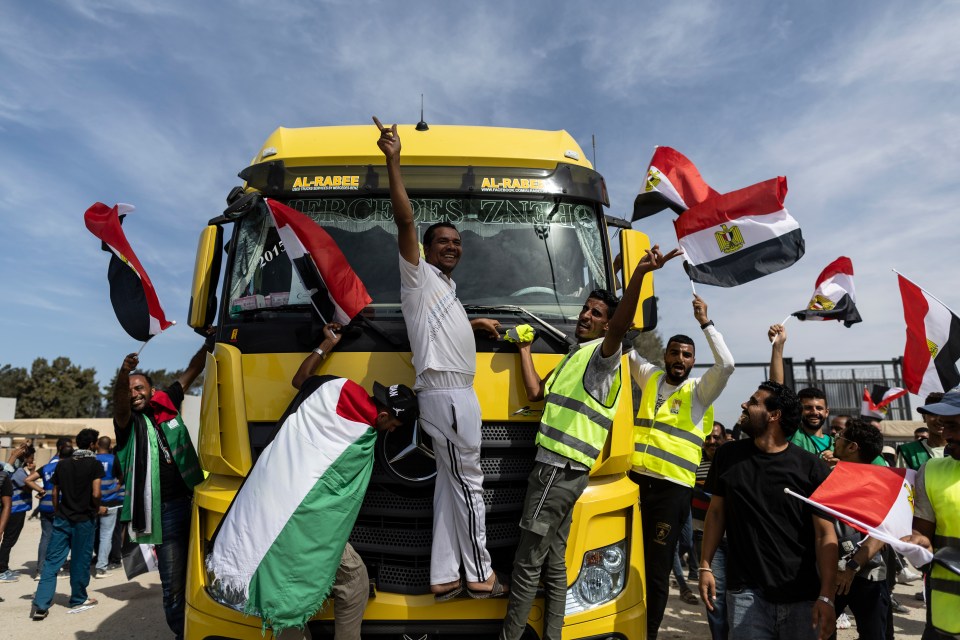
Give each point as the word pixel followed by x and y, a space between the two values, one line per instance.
pixel 708 323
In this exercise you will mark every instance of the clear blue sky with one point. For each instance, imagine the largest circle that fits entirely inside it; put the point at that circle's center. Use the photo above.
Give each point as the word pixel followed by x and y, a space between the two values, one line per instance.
pixel 159 104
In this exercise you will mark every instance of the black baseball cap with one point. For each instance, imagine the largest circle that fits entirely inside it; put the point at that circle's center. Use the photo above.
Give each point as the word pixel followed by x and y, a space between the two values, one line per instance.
pixel 399 399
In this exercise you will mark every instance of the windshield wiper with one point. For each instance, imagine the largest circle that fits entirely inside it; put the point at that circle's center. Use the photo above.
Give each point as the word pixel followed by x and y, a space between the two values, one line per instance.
pixel 513 308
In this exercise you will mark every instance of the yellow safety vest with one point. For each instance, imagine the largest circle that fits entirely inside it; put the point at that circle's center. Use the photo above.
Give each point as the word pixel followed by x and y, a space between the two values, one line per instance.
pixel 667 442
pixel 942 483
pixel 575 424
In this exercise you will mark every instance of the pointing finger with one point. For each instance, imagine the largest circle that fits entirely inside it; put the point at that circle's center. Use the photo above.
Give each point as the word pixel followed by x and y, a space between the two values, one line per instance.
pixel 379 126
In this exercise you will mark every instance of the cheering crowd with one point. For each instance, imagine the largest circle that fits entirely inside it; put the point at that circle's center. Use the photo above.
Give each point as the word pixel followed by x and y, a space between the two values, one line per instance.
pixel 768 565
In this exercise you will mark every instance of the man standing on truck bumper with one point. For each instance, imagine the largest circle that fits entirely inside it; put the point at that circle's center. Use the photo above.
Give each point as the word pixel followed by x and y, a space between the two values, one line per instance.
pixel 582 394
pixel 674 416
pixel 161 469
pixel 445 359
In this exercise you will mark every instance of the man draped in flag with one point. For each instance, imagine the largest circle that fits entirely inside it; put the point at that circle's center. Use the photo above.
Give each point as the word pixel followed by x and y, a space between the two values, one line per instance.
pixel 336 292
pixel 282 548
pixel 161 468
pixel 134 299
pixel 834 297
pixel 933 341
pixel 671 181
pixel 740 236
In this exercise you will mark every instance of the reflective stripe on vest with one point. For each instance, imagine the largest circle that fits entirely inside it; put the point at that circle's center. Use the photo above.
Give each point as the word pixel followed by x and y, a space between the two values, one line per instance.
pixel 46 473
pixel 942 483
pixel 109 482
pixel 574 424
pixel 667 442
pixel 21 501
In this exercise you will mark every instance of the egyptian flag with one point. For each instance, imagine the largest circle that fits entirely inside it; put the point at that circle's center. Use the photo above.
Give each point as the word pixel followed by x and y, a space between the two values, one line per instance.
pixel 874 500
pixel 933 342
pixel 740 236
pixel 877 403
pixel 134 299
pixel 834 297
pixel 336 292
pixel 278 547
pixel 671 181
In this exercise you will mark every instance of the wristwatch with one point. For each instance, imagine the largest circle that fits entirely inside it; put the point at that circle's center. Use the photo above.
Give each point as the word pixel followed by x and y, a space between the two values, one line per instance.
pixel 851 565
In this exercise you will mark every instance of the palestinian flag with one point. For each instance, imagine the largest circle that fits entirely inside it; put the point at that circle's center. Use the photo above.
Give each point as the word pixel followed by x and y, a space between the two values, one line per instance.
pixel 278 547
pixel 134 299
pixel 834 297
pixel 933 342
pixel 138 559
pixel 874 500
pixel 671 181
pixel 740 236
pixel 877 403
pixel 336 291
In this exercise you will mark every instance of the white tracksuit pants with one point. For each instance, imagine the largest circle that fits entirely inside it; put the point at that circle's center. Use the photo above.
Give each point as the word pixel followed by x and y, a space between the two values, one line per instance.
pixel 451 417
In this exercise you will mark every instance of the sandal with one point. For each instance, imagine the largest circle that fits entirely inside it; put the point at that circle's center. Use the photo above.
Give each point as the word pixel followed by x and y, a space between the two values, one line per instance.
pixel 89 602
pixel 496 591
pixel 450 594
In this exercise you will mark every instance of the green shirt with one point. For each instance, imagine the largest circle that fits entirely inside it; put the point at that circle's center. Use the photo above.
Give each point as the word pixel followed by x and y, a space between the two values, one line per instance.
pixel 814 444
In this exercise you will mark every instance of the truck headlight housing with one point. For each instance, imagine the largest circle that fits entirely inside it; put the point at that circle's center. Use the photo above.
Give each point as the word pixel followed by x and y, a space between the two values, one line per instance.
pixel 603 575
pixel 227 597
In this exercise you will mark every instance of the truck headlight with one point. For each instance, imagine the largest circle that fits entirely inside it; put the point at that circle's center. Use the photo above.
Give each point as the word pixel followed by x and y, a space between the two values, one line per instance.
pixel 602 578
pixel 227 597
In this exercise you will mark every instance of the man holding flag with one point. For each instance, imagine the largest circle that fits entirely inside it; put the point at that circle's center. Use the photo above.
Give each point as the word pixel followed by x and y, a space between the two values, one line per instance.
pixel 936 519
pixel 161 469
pixel 912 455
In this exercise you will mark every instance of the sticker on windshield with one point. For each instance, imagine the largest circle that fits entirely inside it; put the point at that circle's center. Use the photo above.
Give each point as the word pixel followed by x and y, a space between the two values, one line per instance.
pixel 512 185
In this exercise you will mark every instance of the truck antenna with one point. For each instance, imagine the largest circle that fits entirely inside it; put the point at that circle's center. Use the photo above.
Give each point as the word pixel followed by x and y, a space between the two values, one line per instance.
pixel 422 125
pixel 593 141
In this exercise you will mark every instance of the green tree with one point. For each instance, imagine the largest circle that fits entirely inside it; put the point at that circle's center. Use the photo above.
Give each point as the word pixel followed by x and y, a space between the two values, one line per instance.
pixel 13 381
pixel 59 389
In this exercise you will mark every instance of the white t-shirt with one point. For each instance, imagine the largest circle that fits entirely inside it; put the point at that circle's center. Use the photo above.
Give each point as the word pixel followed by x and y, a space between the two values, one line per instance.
pixel 438 327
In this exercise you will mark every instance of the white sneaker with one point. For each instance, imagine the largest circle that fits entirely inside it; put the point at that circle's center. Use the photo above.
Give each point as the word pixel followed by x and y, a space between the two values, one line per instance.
pixel 843 622
pixel 908 575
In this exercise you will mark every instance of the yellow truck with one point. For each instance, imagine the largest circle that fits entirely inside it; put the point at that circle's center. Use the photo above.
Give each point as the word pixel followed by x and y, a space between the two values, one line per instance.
pixel 529 207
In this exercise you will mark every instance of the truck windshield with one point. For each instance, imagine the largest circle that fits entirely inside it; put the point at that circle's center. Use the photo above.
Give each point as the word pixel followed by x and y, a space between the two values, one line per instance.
pixel 543 255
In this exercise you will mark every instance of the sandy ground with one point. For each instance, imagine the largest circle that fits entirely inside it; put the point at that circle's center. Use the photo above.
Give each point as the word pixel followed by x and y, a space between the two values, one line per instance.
pixel 132 609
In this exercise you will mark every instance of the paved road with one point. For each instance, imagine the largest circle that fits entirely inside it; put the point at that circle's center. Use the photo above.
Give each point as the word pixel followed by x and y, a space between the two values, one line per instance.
pixel 132 609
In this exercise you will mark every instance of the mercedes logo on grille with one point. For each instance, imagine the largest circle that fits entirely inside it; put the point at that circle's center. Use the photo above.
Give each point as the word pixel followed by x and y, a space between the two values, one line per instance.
pixel 407 455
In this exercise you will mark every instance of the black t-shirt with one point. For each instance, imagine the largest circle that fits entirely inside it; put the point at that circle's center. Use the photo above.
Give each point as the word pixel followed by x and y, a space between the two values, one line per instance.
pixel 770 537
pixel 172 485
pixel 74 478
pixel 6 487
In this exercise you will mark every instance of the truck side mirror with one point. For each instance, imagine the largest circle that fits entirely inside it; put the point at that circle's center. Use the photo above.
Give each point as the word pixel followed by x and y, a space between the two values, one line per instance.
pixel 206 275
pixel 633 246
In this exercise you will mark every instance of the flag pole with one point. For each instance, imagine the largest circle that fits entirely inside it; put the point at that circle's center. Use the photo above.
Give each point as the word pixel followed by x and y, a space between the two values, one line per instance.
pixel 141 347
pixel 924 290
pixel 693 288
pixel 785 320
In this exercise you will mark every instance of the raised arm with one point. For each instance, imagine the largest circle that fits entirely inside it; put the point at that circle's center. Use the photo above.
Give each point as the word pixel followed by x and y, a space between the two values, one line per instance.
pixel 389 143
pixel 713 382
pixel 194 368
pixel 623 317
pixel 532 382
pixel 121 392
pixel 777 334
pixel 331 337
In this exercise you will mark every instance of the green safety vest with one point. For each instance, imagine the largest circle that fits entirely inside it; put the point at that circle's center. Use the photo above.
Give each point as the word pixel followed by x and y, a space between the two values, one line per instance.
pixel 942 483
pixel 914 454
pixel 184 456
pixel 575 424
pixel 667 442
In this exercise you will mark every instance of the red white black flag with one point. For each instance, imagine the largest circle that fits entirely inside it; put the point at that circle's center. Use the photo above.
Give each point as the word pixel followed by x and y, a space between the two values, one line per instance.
pixel 671 181
pixel 740 236
pixel 933 342
pixel 134 299
pixel 336 291
pixel 877 403
pixel 834 297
